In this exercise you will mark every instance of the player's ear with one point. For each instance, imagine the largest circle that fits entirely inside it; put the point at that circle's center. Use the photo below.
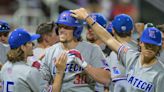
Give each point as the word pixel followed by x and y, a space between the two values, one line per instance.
pixel 23 47
pixel 141 44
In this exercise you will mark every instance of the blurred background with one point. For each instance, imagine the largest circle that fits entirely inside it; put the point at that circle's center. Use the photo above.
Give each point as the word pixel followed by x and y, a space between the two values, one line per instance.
pixel 30 13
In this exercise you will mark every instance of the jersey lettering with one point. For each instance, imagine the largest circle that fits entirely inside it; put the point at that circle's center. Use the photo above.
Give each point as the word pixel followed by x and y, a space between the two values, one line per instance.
pixel 72 67
pixel 140 84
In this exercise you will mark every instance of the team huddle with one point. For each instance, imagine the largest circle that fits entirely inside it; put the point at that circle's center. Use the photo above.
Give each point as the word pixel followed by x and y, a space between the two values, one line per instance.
pixel 108 61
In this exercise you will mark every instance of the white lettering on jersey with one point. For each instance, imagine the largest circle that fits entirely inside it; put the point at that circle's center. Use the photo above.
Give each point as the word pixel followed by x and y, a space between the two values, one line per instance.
pixel 140 84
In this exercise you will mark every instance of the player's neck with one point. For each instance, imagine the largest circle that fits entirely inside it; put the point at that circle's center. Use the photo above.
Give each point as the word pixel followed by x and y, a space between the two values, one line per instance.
pixel 70 45
pixel 147 62
pixel 43 45
pixel 123 39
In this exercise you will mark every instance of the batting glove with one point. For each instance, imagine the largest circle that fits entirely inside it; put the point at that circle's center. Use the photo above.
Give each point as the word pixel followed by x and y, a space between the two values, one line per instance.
pixel 76 55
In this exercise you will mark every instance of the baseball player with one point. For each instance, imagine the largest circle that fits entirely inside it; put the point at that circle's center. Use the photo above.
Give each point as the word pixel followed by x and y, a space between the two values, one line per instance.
pixel 48 38
pixel 145 73
pixel 4 47
pixel 16 75
pixel 85 61
pixel 93 38
pixel 122 32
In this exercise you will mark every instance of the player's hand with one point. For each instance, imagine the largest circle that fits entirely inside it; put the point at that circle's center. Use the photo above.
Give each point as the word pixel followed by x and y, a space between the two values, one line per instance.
pixel 80 13
pixel 76 55
pixel 60 62
pixel 139 28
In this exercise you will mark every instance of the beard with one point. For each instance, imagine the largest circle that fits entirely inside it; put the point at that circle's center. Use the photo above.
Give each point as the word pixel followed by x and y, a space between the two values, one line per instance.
pixel 92 40
pixel 147 57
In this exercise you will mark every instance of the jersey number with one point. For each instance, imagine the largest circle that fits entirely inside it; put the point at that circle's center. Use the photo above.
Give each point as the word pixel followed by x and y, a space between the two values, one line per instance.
pixel 9 85
pixel 80 79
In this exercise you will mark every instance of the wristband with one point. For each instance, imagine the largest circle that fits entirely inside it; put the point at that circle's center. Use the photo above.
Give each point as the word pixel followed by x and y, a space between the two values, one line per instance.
pixel 87 17
pixel 93 23
pixel 84 64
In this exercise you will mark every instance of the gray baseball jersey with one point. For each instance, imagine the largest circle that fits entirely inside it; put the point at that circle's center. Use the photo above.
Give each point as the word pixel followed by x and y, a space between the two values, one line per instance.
pixel 118 71
pixel 141 79
pixel 4 48
pixel 38 52
pixel 20 77
pixel 161 57
pixel 75 79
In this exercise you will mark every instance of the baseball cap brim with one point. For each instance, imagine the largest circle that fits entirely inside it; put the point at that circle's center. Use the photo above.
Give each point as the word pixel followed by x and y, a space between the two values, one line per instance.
pixel 150 42
pixel 35 37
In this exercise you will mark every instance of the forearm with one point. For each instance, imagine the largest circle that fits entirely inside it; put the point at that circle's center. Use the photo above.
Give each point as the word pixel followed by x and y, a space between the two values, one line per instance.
pixel 104 35
pixel 98 74
pixel 57 82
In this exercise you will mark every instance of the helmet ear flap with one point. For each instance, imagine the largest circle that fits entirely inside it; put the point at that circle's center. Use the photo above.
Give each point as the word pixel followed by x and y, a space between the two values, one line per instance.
pixel 77 32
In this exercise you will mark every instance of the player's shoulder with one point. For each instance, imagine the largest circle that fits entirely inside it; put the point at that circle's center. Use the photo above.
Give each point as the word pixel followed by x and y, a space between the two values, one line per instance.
pixel 27 70
pixel 6 65
pixel 54 47
pixel 159 70
pixel 159 67
pixel 88 44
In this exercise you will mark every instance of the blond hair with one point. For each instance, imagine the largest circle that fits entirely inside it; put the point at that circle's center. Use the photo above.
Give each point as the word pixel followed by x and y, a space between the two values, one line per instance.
pixel 15 55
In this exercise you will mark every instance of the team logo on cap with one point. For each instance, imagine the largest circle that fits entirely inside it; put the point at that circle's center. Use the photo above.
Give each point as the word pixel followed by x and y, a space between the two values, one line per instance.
pixel 152 34
pixel 123 28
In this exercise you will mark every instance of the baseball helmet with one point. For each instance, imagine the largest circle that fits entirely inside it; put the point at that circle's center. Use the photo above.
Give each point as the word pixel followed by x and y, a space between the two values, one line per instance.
pixel 65 18
pixel 4 26
pixel 122 23
pixel 152 35
pixel 99 18
pixel 19 37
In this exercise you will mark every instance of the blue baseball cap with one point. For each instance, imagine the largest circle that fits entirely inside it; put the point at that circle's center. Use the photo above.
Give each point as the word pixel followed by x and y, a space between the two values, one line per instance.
pixel 152 35
pixel 122 23
pixel 19 37
pixel 109 27
pixel 4 26
pixel 99 18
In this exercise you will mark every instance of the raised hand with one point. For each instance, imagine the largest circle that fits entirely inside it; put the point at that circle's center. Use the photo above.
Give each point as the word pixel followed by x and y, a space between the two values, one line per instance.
pixel 60 62
pixel 139 28
pixel 80 13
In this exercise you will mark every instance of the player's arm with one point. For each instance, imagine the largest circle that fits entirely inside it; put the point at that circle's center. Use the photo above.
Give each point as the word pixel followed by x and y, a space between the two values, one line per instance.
pixel 60 64
pixel 98 74
pixel 98 29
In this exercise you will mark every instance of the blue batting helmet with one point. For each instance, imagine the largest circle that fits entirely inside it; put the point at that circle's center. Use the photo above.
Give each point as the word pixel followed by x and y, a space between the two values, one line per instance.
pixel 4 26
pixel 99 18
pixel 122 23
pixel 151 35
pixel 65 18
